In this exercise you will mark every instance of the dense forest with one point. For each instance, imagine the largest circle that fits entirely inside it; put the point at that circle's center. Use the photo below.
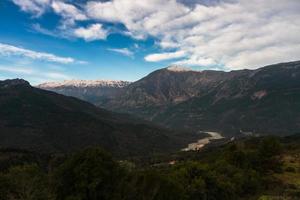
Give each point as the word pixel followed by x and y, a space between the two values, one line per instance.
pixel 255 168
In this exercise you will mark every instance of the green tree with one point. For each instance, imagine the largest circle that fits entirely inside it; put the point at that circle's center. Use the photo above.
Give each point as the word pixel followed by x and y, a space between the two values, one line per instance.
pixel 4 187
pixel 268 153
pixel 152 185
pixel 191 175
pixel 27 182
pixel 91 174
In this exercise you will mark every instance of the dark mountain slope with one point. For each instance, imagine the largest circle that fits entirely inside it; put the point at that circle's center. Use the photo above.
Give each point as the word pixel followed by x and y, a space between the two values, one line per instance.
pixel 160 89
pixel 264 101
pixel 32 118
pixel 261 101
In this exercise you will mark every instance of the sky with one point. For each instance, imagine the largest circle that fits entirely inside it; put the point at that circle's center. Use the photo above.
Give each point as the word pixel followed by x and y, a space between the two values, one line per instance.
pixel 54 40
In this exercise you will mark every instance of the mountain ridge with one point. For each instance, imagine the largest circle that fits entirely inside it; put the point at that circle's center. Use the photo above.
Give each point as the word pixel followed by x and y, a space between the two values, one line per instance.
pixel 85 83
pixel 88 90
pixel 231 102
pixel 45 121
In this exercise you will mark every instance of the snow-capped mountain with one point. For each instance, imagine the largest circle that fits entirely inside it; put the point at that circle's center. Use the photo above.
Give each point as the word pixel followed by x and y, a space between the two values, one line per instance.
pixel 85 83
pixel 93 91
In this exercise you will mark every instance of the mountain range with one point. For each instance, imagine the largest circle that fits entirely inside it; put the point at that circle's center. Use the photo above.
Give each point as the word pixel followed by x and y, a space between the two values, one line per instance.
pixel 92 91
pixel 261 101
pixel 44 121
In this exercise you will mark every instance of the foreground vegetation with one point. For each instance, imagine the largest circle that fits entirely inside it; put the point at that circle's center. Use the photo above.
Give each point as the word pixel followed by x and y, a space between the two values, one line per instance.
pixel 257 168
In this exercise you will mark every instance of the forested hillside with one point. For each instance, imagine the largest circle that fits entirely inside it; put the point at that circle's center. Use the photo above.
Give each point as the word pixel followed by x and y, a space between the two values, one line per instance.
pixel 255 168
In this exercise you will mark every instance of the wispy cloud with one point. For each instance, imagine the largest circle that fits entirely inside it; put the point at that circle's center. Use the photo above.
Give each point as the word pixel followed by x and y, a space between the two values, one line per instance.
pixel 37 7
pixel 69 14
pixel 9 50
pixel 237 34
pixel 17 70
pixel 39 29
pixel 164 56
pixel 33 73
pixel 68 11
pixel 123 51
pixel 56 76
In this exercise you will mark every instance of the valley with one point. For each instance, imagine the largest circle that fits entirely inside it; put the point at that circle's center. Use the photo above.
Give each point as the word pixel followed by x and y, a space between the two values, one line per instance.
pixel 142 140
pixel 149 100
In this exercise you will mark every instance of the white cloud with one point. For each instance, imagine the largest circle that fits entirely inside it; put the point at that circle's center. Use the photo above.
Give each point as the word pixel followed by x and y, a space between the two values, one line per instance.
pixel 236 34
pixel 68 10
pixel 195 60
pixel 123 51
pixel 231 33
pixel 166 44
pixel 255 59
pixel 8 50
pixel 164 56
pixel 93 32
pixel 103 11
pixel 37 7
pixel 140 17
pixel 69 13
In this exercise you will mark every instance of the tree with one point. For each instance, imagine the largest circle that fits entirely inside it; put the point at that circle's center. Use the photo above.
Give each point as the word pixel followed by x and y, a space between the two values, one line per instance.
pixel 27 182
pixel 91 174
pixel 268 153
pixel 152 185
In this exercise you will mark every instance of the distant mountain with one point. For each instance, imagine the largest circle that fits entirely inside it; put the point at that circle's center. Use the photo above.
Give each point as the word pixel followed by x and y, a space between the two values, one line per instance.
pixel 168 86
pixel 35 119
pixel 92 91
pixel 262 101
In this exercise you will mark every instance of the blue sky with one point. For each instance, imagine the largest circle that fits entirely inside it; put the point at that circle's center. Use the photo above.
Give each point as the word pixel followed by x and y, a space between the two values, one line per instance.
pixel 52 40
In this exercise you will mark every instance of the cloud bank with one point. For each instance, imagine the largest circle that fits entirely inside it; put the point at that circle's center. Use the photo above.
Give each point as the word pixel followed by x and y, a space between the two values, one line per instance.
pixel 233 34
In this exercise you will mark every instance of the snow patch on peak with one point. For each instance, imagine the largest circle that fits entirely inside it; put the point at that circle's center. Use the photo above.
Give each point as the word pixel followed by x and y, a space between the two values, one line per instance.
pixel 85 83
pixel 178 68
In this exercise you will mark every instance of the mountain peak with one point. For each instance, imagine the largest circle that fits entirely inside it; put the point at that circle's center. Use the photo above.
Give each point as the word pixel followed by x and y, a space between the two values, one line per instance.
pixel 13 82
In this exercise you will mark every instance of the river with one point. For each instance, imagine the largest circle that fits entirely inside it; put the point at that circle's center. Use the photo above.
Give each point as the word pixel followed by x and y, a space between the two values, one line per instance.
pixel 202 142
